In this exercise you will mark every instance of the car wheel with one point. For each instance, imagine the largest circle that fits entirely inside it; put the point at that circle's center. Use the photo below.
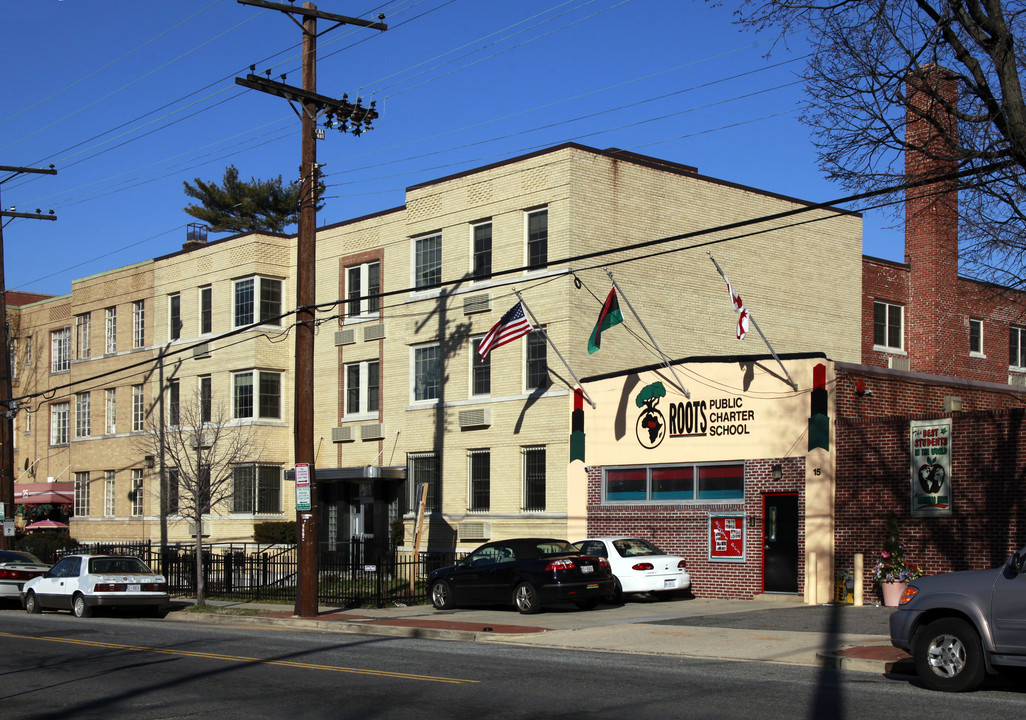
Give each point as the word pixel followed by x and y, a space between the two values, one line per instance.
pixel 525 597
pixel 616 594
pixel 79 607
pixel 589 604
pixel 948 656
pixel 441 595
pixel 32 605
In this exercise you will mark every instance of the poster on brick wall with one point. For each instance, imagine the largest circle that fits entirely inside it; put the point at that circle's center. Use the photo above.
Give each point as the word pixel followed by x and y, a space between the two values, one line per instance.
pixel 727 537
pixel 930 450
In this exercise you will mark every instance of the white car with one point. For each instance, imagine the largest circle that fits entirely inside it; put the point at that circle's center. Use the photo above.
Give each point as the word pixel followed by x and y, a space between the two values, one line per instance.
pixel 639 566
pixel 82 582
pixel 16 568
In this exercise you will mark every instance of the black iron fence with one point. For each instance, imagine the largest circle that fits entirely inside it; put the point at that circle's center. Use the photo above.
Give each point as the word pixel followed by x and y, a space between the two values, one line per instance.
pixel 350 574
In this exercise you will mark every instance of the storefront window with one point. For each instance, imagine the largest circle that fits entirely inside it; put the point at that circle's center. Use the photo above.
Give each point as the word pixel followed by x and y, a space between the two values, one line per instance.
pixel 675 483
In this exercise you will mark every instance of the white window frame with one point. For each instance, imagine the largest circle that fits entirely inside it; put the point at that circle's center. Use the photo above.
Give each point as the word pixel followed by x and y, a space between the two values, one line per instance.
pixel 362 411
pixel 258 291
pixel 109 493
pixel 416 350
pixel 900 348
pixel 415 267
pixel 528 214
pixel 110 411
pixel 138 408
pixel 250 505
pixel 1021 333
pixel 60 350
pixel 81 494
pixel 206 309
pixel 59 423
pixel 367 308
pixel 137 492
pixel 83 411
pixel 976 352
pixel 138 323
pixel 174 316
pixel 83 332
pixel 525 452
pixel 477 364
pixel 255 377
pixel 534 337
pixel 472 480
pixel 205 393
pixel 110 335
pixel 474 273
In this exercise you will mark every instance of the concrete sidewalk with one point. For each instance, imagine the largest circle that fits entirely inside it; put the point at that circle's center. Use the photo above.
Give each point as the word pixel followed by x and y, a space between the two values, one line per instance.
pixel 845 637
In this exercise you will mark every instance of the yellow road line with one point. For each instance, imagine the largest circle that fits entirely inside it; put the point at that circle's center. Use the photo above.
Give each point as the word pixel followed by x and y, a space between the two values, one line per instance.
pixel 238 658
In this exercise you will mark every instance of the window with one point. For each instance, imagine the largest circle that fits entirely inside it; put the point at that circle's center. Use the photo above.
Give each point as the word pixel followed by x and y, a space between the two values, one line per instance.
pixel 425 468
pixel 14 359
pixel 82 410
pixel 206 298
pixel 363 284
pixel 81 493
pixel 174 407
pixel 205 398
pixel 60 350
pixel 537 374
pixel 482 250
pixel 674 483
pixel 138 408
pixel 111 331
pixel 362 388
pixel 537 238
pixel 1017 347
pixel 256 489
pixel 108 493
pixel 534 478
pixel 110 411
pixel 887 326
pixel 480 370
pixel 480 480
pixel 427 262
pixel 257 299
pixel 138 323
pixel 171 494
pixel 427 376
pixel 265 403
pixel 137 492
pixel 174 316
pixel 83 328
pixel 59 423
pixel 975 337
pixel 28 350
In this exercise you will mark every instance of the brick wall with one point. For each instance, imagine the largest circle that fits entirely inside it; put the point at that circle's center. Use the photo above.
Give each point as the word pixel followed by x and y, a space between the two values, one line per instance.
pixel 987 471
pixel 683 529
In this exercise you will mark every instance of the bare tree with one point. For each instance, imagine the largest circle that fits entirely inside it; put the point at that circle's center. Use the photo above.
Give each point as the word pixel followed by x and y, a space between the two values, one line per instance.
pixel 201 448
pixel 865 61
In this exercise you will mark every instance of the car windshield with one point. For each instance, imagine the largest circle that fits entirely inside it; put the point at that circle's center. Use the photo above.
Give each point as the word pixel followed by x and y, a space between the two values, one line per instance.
pixel 556 547
pixel 634 547
pixel 16 556
pixel 116 565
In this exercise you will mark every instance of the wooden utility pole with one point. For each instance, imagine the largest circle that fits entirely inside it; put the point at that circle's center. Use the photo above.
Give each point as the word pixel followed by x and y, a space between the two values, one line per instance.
pixel 6 361
pixel 354 119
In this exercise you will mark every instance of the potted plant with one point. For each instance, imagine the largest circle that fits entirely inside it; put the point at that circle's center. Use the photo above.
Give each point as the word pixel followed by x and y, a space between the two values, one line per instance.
pixel 892 572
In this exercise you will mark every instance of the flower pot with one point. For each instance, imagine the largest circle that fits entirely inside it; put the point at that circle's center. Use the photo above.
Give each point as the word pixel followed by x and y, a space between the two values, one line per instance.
pixel 892 592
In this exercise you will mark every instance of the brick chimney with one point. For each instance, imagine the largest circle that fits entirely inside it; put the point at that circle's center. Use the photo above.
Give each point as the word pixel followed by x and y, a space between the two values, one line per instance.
pixel 934 336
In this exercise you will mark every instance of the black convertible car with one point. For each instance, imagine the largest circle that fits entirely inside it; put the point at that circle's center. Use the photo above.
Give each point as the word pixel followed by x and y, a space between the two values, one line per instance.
pixel 525 572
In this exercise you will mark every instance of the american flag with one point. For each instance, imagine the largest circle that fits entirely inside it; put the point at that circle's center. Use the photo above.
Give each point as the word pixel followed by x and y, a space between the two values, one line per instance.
pixel 511 326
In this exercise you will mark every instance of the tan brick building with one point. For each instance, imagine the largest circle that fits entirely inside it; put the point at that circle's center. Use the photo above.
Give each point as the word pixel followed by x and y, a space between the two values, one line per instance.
pixel 399 397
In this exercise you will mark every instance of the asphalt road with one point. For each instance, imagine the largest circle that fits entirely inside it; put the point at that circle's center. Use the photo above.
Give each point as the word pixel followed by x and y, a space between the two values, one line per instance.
pixel 58 666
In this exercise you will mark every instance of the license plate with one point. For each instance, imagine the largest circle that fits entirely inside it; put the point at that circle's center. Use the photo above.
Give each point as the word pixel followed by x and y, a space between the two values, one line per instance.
pixel 587 569
pixel 134 588
pixel 669 584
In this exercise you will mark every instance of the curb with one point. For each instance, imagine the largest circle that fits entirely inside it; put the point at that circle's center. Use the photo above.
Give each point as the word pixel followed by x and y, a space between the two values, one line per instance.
pixel 871 658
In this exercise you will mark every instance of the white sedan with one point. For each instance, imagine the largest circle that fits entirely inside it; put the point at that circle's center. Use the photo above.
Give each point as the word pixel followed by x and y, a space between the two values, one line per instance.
pixel 639 566
pixel 81 583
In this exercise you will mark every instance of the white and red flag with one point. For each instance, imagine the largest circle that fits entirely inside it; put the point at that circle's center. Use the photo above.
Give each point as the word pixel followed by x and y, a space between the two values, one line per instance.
pixel 739 307
pixel 511 326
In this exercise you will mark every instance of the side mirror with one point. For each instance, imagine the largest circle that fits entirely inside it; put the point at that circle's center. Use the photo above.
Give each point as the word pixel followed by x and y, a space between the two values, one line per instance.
pixel 1014 564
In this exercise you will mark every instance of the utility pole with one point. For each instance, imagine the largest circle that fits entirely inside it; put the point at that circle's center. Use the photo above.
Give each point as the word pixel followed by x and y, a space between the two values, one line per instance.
pixel 6 361
pixel 351 118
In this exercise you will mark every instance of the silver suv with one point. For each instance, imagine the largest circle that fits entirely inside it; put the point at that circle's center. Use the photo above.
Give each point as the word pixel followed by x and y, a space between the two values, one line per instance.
pixel 960 626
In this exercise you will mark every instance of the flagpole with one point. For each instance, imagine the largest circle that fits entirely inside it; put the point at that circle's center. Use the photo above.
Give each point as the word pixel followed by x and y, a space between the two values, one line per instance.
pixel 751 319
pixel 666 360
pixel 538 326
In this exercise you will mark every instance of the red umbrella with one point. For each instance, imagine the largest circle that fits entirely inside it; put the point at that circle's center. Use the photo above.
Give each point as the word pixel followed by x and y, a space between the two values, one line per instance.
pixel 46 525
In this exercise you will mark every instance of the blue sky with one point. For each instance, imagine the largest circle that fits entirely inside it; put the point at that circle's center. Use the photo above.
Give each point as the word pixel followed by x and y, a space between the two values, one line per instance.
pixel 130 99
